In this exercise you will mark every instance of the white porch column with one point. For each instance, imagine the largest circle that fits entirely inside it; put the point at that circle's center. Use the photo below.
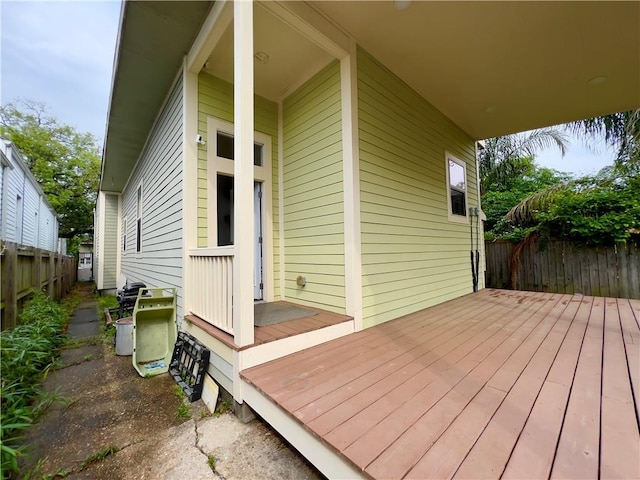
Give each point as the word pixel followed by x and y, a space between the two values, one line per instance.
pixel 189 180
pixel 243 233
pixel 351 182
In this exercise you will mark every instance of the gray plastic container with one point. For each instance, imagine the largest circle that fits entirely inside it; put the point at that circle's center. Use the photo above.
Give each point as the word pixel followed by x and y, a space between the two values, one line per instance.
pixel 124 336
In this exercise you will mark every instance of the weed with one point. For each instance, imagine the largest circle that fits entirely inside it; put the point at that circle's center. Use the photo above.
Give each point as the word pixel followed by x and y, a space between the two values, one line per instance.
pixel 178 392
pixel 99 456
pixel 28 352
pixel 106 301
pixel 211 460
pixel 223 406
pixel 36 472
pixel 88 357
pixel 183 411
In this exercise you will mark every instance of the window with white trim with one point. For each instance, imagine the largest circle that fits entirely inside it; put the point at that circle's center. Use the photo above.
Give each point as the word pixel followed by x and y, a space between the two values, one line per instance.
pixel 456 188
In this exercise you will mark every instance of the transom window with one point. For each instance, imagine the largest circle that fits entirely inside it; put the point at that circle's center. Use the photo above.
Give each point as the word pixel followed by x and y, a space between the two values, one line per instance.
pixel 224 149
pixel 456 188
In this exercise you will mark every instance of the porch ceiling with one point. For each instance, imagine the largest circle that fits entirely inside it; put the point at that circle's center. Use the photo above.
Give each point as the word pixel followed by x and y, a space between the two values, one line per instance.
pixel 291 57
pixel 153 38
pixel 496 68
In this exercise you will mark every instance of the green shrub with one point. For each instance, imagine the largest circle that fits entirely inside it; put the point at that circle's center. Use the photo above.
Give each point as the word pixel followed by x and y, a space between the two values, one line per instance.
pixel 27 353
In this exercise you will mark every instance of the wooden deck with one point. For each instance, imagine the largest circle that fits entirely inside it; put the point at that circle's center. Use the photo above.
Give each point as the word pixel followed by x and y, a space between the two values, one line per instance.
pixel 279 331
pixel 496 384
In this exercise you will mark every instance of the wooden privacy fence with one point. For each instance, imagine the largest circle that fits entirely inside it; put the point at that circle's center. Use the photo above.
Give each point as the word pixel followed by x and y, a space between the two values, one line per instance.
pixel 562 267
pixel 25 268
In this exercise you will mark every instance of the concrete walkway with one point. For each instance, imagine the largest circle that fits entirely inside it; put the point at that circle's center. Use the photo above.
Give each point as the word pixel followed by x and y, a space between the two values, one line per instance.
pixel 105 403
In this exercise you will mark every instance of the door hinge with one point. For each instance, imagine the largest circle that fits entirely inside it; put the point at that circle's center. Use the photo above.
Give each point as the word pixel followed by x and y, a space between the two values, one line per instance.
pixel 259 193
pixel 259 239
pixel 261 286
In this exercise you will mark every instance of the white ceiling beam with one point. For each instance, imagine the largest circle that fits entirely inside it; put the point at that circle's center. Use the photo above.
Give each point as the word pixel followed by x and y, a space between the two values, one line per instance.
pixel 312 25
pixel 215 25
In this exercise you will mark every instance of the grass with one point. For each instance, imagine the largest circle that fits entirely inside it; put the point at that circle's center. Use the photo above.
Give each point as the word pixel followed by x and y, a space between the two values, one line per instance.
pixel 223 406
pixel 28 353
pixel 183 410
pixel 211 460
pixel 99 456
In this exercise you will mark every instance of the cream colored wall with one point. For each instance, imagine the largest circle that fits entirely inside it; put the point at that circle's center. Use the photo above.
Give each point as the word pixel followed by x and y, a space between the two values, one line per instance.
pixel 412 255
pixel 215 99
pixel 313 192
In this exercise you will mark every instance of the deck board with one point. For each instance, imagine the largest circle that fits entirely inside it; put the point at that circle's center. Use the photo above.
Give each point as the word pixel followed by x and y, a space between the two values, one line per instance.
pixel 620 452
pixel 494 384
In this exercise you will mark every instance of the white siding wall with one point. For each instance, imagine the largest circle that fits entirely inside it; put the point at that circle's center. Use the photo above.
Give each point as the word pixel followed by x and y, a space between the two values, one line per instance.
pixel 30 220
pixel 35 223
pixel 110 250
pixel 159 171
pixel 48 226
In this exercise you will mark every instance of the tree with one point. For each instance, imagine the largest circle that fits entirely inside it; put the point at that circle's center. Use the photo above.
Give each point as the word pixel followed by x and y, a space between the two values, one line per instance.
pixel 65 162
pixel 500 198
pixel 506 158
pixel 620 130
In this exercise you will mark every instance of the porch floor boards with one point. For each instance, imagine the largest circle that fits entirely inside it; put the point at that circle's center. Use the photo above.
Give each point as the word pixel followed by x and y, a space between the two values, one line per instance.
pixel 494 384
pixel 278 331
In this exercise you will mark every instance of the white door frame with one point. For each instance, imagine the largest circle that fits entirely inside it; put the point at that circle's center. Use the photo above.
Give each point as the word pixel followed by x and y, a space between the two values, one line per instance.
pixel 263 175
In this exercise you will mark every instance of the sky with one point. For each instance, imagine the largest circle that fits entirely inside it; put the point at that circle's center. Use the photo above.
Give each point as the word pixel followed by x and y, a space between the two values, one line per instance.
pixel 61 54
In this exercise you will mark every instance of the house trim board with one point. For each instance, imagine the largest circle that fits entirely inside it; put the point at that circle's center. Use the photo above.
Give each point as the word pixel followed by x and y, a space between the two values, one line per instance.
pixel 266 352
pixel 216 23
pixel 262 174
pixel 281 241
pixel 119 251
pixel 313 449
pixel 351 182
pixel 189 176
pixel 310 24
pixel 101 222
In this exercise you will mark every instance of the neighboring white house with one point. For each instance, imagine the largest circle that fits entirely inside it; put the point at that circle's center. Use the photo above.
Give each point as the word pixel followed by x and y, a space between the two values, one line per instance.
pixel 85 262
pixel 26 217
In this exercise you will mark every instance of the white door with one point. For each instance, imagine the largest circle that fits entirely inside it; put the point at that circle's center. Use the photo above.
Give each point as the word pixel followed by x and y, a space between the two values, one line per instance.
pixel 258 283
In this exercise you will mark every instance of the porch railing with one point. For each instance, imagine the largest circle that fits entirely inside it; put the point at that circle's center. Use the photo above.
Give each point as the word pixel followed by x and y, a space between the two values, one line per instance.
pixel 210 296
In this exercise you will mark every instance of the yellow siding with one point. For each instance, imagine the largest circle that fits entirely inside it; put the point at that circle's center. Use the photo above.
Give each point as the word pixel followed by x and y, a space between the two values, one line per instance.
pixel 215 99
pixel 313 192
pixel 412 255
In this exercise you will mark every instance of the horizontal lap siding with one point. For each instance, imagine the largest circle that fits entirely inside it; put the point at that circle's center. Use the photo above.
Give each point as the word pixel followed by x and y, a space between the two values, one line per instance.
pixel 111 244
pixel 215 99
pixel 159 168
pixel 412 255
pixel 313 192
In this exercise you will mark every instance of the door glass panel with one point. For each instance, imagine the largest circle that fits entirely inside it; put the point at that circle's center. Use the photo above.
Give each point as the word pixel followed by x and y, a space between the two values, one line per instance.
pixel 257 154
pixel 225 210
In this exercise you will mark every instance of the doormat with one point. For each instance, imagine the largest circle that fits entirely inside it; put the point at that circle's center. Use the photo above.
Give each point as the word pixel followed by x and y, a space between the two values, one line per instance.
pixel 276 312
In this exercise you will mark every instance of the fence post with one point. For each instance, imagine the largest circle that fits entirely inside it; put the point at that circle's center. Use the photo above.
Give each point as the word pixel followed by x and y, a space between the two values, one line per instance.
pixel 58 276
pixel 52 274
pixel 35 268
pixel 10 292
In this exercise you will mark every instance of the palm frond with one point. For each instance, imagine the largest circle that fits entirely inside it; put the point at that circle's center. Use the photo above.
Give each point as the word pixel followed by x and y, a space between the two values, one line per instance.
pixel 524 213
